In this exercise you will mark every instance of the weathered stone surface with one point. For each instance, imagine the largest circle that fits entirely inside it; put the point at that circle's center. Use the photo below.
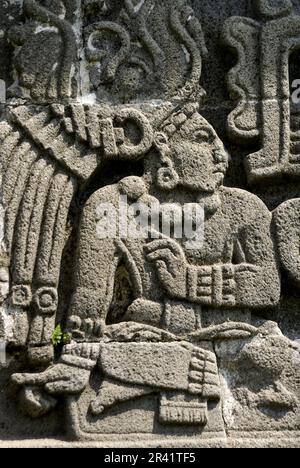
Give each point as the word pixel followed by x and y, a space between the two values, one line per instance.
pixel 149 257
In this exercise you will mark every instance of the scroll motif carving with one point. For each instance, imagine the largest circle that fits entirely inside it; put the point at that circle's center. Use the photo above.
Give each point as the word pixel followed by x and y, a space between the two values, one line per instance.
pixel 131 56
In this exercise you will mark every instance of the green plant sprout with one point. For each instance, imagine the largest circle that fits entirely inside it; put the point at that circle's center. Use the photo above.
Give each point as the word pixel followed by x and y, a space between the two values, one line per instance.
pixel 58 337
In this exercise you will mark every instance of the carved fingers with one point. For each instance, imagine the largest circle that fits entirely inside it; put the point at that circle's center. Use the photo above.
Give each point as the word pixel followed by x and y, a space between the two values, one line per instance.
pixel 72 386
pixel 58 379
pixel 169 244
pixel 30 379
pixel 171 265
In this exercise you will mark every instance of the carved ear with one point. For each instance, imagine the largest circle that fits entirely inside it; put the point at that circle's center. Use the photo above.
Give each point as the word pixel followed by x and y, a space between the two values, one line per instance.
pixel 167 177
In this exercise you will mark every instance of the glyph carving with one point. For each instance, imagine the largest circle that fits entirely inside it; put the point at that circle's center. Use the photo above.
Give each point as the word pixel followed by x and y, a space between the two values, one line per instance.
pixel 260 82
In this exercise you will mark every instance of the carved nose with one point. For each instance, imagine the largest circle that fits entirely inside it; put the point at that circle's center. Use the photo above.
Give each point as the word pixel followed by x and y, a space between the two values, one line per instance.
pixel 219 156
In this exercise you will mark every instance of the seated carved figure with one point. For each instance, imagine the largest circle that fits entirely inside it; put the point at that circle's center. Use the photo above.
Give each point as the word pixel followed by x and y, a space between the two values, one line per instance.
pixel 142 311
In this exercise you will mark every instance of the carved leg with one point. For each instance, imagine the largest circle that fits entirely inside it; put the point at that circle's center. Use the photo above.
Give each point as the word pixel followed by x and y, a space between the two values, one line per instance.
pixel 112 393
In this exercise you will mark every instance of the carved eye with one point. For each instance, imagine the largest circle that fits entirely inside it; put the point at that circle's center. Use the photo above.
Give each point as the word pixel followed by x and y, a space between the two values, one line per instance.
pixel 203 136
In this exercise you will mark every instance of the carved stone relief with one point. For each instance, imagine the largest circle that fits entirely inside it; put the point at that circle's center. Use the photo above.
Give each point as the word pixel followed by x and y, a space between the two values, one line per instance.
pixel 260 80
pixel 146 288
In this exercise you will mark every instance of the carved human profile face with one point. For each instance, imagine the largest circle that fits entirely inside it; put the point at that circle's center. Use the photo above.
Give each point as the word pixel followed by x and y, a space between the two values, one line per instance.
pixel 199 156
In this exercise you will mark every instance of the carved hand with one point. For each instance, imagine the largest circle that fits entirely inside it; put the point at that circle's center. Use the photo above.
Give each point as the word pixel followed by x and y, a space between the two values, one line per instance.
pixel 171 265
pixel 58 379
